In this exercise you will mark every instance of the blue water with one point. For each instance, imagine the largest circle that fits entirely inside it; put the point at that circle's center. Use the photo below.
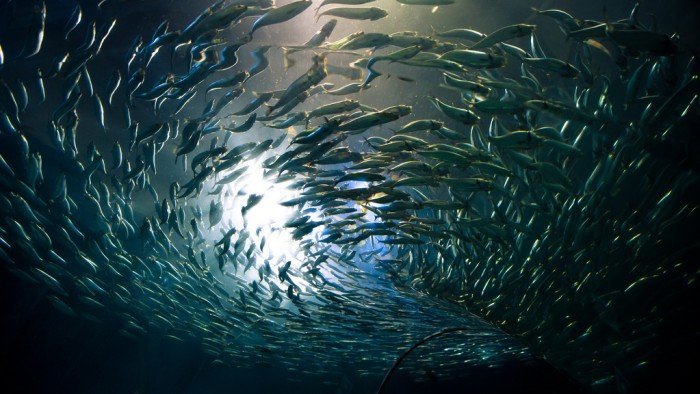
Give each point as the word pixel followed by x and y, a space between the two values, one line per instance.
pixel 615 315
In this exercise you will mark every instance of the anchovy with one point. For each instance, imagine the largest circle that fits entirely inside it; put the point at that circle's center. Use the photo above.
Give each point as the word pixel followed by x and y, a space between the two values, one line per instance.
pixel 73 22
pixel 37 34
pixel 280 14
pixel 504 34
pixel 371 14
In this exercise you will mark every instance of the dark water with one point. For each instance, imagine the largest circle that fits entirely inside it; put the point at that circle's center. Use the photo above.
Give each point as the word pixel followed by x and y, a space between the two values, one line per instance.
pixel 583 305
pixel 45 351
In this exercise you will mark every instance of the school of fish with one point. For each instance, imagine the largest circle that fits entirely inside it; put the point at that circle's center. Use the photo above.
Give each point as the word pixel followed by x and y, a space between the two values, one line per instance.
pixel 503 188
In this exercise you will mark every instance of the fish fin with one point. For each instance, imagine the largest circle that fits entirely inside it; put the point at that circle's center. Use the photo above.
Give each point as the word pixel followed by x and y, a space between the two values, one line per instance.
pixel 288 61
pixel 598 45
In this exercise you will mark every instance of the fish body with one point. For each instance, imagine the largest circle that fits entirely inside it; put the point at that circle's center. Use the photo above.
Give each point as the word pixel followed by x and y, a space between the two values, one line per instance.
pixel 231 81
pixel 474 59
pixel 504 34
pixel 313 77
pixel 280 14
pixel 557 66
pixel 350 88
pixel 35 38
pixel 401 54
pixel 427 2
pixel 261 61
pixel 463 34
pixel 376 118
pixel 462 115
pixel 371 14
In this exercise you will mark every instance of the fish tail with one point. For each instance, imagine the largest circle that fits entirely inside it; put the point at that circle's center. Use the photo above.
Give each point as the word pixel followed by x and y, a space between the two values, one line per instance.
pixel 288 62
pixel 433 99
pixel 371 75
pixel 270 108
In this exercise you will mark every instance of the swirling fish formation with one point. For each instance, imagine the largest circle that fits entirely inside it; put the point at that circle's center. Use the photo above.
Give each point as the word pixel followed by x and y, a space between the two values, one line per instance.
pixel 542 195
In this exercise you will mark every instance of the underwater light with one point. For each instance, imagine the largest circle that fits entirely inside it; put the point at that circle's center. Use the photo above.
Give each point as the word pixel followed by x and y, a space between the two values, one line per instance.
pixel 265 219
pixel 283 204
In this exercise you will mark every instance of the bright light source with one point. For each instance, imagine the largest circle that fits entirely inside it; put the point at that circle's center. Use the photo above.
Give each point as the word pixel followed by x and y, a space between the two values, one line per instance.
pixel 264 221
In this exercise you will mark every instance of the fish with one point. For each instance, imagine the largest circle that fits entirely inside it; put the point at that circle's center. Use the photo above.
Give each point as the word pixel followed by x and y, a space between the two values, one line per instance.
pixel 565 20
pixel 466 85
pixel 315 41
pixel 252 201
pixel 311 78
pixel 318 134
pixel 113 85
pixel 318 38
pixel 557 66
pixel 233 80
pixel 259 100
pixel 190 144
pixel 371 13
pixel 228 57
pixel 401 54
pixel 280 14
pixel 372 119
pixel 32 48
pixel 504 34
pixel 73 22
pixel 343 2
pixel 427 2
pixel 350 88
pixel 474 59
pixel 462 34
pixel 462 115
pixel 333 108
pixel 201 24
pixel 245 126
pixel 99 111
pixel 261 62
pixel 216 213
pixel 548 189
